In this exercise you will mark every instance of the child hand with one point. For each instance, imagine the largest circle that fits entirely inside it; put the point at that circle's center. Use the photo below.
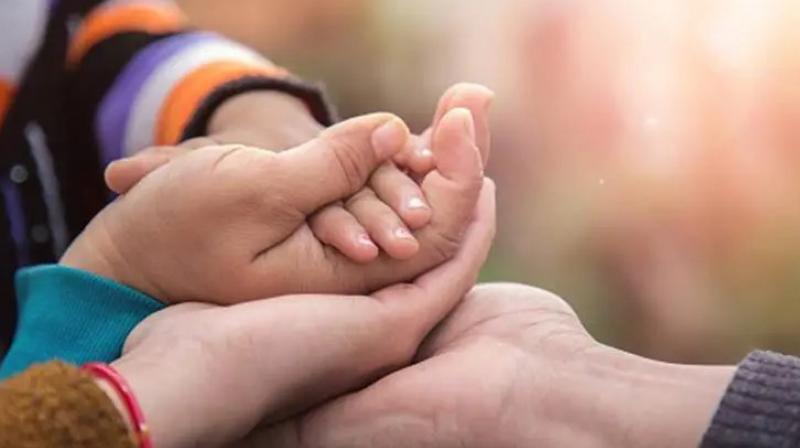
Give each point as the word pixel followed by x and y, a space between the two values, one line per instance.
pixel 417 157
pixel 394 187
pixel 393 196
pixel 229 224
pixel 380 215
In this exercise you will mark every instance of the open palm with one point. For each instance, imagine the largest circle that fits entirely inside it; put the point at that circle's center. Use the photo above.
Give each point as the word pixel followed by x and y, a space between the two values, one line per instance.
pixel 497 354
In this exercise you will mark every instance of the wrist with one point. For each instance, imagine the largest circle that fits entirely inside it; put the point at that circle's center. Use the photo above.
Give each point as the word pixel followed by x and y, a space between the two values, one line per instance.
pixel 118 391
pixel 263 118
pixel 115 399
pixel 626 400
pixel 144 387
pixel 180 411
pixel 96 251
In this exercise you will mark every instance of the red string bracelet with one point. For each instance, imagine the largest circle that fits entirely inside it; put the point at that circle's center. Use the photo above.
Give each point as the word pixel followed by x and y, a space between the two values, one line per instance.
pixel 112 377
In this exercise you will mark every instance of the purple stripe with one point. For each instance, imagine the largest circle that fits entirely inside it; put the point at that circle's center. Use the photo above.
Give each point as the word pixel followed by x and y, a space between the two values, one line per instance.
pixel 16 220
pixel 115 109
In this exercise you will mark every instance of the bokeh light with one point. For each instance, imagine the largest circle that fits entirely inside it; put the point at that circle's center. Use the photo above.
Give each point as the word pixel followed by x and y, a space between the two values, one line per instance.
pixel 647 153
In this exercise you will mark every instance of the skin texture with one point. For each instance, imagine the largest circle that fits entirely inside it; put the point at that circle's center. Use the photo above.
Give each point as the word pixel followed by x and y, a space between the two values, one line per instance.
pixel 229 224
pixel 378 217
pixel 512 366
pixel 550 383
pixel 206 375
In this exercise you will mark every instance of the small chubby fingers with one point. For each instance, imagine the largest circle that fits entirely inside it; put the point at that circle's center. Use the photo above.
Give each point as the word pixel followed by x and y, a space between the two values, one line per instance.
pixel 123 174
pixel 384 226
pixel 402 194
pixel 438 290
pixel 417 157
pixel 338 228
pixel 478 100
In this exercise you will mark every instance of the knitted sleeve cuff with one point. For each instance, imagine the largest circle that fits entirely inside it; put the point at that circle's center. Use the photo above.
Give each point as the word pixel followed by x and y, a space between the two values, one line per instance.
pixel 761 407
pixel 312 95
pixel 73 316
pixel 55 404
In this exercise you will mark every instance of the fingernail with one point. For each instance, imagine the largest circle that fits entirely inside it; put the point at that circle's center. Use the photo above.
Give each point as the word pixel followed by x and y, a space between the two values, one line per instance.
pixel 389 138
pixel 402 233
pixel 365 240
pixel 416 203
pixel 425 153
pixel 465 116
pixel 487 105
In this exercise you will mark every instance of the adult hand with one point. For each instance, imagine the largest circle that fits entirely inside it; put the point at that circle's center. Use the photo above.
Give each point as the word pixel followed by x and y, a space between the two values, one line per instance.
pixel 206 375
pixel 512 366
pixel 379 215
pixel 229 224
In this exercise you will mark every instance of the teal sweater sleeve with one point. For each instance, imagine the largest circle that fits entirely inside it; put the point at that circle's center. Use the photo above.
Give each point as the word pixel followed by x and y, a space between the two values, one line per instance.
pixel 72 315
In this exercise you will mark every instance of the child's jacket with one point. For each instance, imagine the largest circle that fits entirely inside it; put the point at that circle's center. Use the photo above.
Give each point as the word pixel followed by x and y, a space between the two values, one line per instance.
pixel 84 82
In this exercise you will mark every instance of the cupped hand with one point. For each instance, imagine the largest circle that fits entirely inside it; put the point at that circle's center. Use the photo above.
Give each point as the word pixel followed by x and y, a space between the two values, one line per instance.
pixel 512 366
pixel 207 375
pixel 230 224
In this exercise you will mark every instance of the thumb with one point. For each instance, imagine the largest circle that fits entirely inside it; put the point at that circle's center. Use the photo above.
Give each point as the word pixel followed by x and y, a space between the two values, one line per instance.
pixel 123 174
pixel 453 188
pixel 477 99
pixel 339 162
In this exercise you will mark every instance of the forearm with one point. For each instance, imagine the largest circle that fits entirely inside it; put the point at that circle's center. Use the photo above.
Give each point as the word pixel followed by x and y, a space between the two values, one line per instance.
pixel 141 77
pixel 619 399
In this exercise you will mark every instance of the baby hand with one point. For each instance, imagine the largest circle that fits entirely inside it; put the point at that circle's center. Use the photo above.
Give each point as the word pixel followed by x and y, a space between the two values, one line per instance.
pixel 393 202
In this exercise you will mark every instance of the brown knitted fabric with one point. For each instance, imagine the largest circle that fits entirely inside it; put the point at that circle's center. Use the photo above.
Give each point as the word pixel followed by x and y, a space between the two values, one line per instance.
pixel 57 405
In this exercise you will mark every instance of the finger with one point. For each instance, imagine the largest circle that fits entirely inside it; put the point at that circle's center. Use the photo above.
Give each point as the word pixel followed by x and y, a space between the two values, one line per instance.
pixel 319 347
pixel 351 419
pixel 478 100
pixel 339 162
pixel 452 191
pixel 438 291
pixel 454 146
pixel 402 194
pixel 123 174
pixel 417 157
pixel 383 225
pixel 336 227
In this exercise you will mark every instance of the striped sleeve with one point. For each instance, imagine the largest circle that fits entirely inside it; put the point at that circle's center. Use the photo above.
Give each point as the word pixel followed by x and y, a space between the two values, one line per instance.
pixel 21 30
pixel 146 79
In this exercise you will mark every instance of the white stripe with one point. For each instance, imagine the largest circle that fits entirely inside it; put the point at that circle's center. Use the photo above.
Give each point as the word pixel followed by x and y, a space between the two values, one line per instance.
pixel 47 176
pixel 141 127
pixel 22 27
pixel 116 3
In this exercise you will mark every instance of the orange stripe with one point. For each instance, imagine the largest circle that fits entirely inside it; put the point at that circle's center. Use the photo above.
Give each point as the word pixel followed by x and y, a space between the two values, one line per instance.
pixel 190 92
pixel 105 22
pixel 7 91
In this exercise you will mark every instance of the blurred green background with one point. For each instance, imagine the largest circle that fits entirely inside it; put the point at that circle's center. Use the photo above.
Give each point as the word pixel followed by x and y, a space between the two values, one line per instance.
pixel 647 153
